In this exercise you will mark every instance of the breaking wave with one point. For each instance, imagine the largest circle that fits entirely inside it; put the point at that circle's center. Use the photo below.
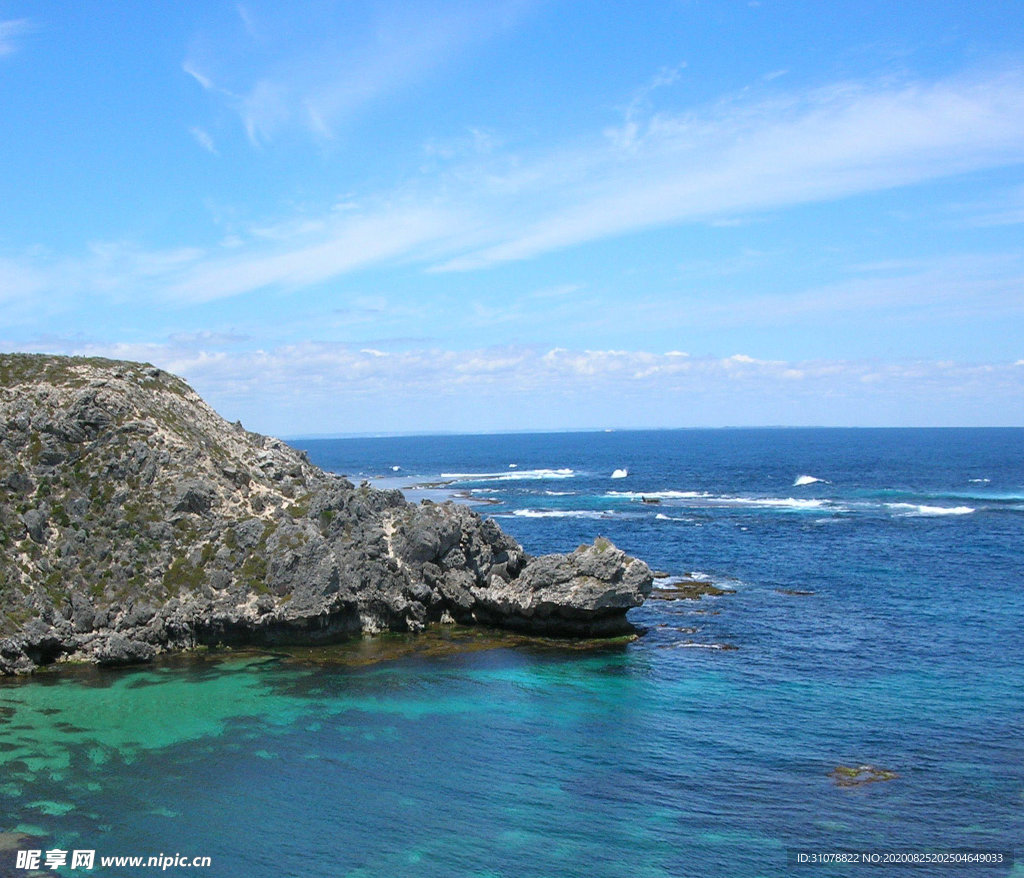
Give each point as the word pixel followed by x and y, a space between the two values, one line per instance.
pixel 560 513
pixel 914 509
pixel 658 495
pixel 512 476
pixel 772 502
pixel 704 499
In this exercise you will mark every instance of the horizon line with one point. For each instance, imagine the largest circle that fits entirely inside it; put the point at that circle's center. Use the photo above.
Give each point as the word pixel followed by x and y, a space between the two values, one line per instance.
pixel 411 434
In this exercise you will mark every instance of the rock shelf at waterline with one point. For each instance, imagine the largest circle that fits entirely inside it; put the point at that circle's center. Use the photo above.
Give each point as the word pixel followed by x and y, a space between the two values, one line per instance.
pixel 134 520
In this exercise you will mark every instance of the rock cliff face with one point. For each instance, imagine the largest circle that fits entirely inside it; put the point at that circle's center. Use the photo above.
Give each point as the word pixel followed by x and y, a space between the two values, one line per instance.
pixel 134 520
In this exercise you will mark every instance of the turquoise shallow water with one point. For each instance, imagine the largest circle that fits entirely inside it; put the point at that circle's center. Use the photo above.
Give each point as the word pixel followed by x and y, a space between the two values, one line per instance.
pixel 663 757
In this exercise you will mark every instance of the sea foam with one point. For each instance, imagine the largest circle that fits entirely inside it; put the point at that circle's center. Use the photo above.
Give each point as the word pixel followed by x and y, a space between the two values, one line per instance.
pixel 913 509
pixel 703 498
pixel 514 476
pixel 560 513
pixel 658 495
pixel 781 503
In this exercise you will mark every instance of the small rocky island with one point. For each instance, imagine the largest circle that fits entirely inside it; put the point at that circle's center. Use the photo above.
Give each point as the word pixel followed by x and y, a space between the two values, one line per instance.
pixel 135 520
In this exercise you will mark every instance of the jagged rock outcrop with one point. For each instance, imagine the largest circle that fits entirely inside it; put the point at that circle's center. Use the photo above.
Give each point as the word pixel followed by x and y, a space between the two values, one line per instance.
pixel 135 520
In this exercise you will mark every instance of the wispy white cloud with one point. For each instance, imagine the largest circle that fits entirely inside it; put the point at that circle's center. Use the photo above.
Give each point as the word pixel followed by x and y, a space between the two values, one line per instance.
pixel 561 386
pixel 745 156
pixel 203 138
pixel 120 270
pixel 19 280
pixel 267 106
pixel 318 84
pixel 949 287
pixel 740 156
pixel 191 68
pixel 1004 210
pixel 349 242
pixel 10 30
pixel 248 21
pixel 285 256
pixel 206 338
pixel 475 142
pixel 560 291
pixel 627 135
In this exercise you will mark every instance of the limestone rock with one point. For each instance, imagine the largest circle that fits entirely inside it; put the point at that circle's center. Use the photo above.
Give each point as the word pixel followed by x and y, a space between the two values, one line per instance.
pixel 135 520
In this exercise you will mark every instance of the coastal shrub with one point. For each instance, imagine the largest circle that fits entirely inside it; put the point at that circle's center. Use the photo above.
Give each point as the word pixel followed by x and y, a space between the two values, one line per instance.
pixel 298 509
pixel 268 530
pixel 207 553
pixel 181 575
pixel 254 574
pixel 35 448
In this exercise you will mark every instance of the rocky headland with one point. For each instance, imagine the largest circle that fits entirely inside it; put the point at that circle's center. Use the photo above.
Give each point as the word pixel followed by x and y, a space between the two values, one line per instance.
pixel 134 520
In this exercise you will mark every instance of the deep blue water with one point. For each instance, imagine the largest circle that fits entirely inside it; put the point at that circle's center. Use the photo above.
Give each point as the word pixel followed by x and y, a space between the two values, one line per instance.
pixel 668 756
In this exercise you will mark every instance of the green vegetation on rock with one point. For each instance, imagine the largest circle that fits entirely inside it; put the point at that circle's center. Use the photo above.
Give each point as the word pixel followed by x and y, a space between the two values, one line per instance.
pixel 134 520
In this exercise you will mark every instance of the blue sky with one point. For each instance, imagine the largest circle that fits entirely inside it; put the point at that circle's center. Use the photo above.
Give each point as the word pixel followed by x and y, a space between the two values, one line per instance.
pixel 472 216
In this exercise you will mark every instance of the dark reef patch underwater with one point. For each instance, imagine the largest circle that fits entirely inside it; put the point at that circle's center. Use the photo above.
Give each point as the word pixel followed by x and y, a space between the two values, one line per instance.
pixel 870 582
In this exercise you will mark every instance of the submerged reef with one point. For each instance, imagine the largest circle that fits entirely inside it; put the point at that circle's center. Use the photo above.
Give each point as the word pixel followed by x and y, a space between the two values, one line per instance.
pixel 855 776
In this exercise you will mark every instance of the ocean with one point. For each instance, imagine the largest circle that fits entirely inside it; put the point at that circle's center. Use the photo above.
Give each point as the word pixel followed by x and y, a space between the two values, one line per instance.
pixel 855 693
